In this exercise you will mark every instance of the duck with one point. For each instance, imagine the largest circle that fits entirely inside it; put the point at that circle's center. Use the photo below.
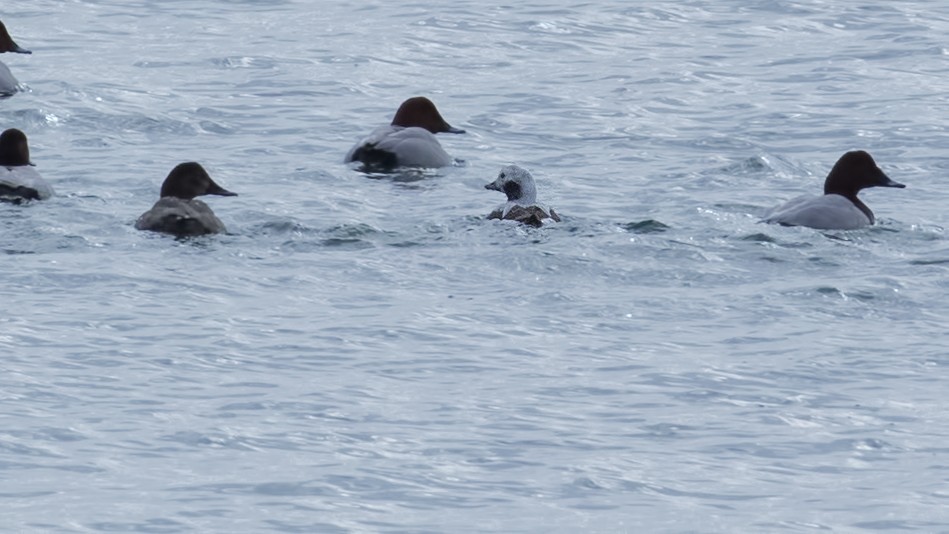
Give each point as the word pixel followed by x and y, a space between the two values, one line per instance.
pixel 8 84
pixel 838 208
pixel 409 141
pixel 518 184
pixel 19 179
pixel 177 212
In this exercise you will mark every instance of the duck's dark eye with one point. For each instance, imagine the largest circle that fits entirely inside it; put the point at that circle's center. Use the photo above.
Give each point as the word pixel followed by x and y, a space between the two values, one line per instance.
pixel 502 176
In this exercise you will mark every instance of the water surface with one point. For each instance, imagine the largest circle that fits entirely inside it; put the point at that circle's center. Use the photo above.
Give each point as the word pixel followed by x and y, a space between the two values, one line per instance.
pixel 368 354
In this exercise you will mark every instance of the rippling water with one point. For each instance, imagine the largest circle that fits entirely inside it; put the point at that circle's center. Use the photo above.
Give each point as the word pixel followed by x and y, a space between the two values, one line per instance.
pixel 367 354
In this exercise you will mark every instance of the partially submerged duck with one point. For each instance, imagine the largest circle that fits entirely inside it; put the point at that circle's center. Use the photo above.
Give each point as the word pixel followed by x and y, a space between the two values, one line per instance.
pixel 521 206
pixel 838 208
pixel 177 212
pixel 19 179
pixel 408 142
pixel 8 83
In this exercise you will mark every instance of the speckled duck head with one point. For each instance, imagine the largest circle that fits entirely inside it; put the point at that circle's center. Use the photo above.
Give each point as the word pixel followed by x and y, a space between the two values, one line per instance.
pixel 517 184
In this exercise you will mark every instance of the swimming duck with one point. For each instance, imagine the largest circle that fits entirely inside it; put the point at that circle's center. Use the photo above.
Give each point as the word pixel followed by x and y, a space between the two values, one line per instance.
pixel 838 208
pixel 19 180
pixel 177 212
pixel 408 142
pixel 518 185
pixel 8 84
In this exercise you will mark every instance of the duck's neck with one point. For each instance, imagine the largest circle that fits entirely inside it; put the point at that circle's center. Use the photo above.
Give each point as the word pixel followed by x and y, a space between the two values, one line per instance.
pixel 852 197
pixel 526 195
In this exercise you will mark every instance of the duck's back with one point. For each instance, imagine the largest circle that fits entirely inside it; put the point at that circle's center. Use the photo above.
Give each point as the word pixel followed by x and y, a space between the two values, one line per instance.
pixel 825 212
pixel 179 217
pixel 395 146
pixel 8 84
pixel 23 182
pixel 529 215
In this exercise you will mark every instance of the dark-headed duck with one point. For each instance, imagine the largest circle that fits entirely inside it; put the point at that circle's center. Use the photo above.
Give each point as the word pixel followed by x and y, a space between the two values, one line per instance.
pixel 838 208
pixel 8 84
pixel 408 142
pixel 177 212
pixel 19 180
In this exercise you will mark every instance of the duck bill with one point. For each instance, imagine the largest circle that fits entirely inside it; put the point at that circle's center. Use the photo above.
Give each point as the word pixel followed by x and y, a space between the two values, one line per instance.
pixel 885 181
pixel 452 129
pixel 493 186
pixel 215 189
pixel 11 46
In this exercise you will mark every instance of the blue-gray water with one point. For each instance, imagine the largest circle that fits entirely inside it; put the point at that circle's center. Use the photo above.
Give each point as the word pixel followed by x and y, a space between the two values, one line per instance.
pixel 370 355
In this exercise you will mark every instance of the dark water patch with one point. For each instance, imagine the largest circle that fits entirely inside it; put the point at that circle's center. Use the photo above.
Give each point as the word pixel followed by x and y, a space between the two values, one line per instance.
pixel 335 242
pixel 352 231
pixel 647 226
pixel 407 244
pixel 400 175
pixel 930 262
pixel 217 128
pixel 862 296
pixel 844 236
pixel 587 483
pixel 832 291
pixel 350 236
pixel 285 227
pixel 759 238
pixel 883 227
pixel 574 227
pixel 302 237
pixel 818 260
pixel 707 496
pixel 27 494
pixel 753 165
pixel 197 241
pixel 19 450
pixel 900 525
pixel 798 245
